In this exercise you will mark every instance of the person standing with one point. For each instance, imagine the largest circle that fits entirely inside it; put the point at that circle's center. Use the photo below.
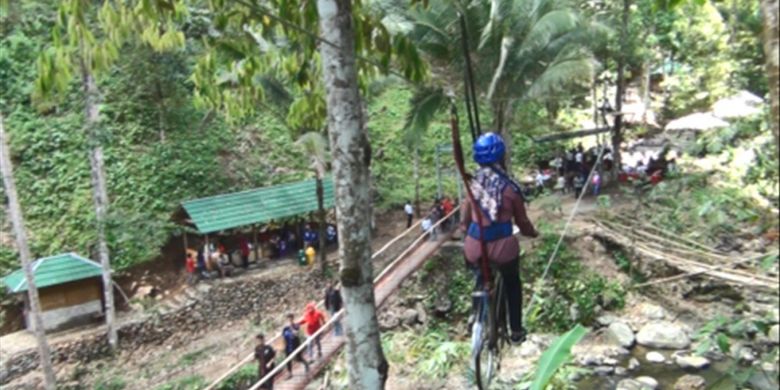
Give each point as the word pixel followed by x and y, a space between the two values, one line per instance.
pixel 189 264
pixel 264 354
pixel 310 255
pixel 409 211
pixel 596 181
pixel 313 319
pixel 333 305
pixel 292 341
pixel 243 246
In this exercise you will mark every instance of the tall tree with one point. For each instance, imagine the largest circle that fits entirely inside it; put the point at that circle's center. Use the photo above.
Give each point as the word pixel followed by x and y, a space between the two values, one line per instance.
pixel 521 50
pixel 769 10
pixel 77 49
pixel 316 147
pixel 6 169
pixel 351 152
pixel 617 130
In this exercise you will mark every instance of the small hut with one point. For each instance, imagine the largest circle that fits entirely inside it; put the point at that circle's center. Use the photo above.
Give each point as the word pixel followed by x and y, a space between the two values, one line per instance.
pixel 69 289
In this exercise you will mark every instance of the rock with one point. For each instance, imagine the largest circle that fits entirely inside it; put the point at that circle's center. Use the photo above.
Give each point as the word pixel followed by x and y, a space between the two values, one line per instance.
pixel 610 361
pixel 604 370
pixel 422 315
pixel 631 384
pixel 633 364
pixel 690 382
pixel 443 306
pixel 652 312
pixel 621 334
pixel 655 357
pixel 696 362
pixel 774 334
pixel 606 319
pixel 620 371
pixel 649 381
pixel 409 317
pixel 663 334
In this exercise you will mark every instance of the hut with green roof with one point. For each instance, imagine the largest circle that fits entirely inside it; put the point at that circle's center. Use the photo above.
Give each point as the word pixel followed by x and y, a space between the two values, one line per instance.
pixel 69 288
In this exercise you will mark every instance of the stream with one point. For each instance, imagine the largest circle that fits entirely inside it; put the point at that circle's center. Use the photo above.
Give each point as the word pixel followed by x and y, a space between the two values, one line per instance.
pixel 667 373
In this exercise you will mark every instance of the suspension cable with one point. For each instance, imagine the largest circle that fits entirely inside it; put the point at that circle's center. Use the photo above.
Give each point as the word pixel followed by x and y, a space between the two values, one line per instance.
pixel 565 230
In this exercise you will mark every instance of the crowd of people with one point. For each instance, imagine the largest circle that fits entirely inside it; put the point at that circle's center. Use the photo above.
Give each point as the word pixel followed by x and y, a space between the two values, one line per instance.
pixel 221 257
pixel 311 322
pixel 570 170
pixel 441 208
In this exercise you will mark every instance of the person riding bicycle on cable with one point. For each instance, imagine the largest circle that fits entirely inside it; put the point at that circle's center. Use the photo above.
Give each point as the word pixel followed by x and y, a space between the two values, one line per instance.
pixel 500 200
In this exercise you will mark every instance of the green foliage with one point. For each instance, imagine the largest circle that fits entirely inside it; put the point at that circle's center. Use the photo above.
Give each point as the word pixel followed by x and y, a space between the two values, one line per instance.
pixel 113 383
pixel 193 382
pixel 555 356
pixel 570 294
pixel 245 377
pixel 434 354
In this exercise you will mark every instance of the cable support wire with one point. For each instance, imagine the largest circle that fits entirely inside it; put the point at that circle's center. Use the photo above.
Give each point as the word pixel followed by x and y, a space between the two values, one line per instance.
pixel 565 230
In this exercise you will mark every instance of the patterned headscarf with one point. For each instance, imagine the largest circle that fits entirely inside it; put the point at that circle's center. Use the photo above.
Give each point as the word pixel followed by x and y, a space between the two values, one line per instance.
pixel 488 188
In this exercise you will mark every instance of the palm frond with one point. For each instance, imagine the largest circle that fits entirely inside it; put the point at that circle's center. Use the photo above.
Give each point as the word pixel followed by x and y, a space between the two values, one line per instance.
pixel 550 26
pixel 315 145
pixel 559 75
pixel 424 106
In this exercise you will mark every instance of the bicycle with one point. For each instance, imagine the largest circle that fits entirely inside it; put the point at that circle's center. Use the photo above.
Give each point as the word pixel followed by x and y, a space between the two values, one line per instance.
pixel 489 331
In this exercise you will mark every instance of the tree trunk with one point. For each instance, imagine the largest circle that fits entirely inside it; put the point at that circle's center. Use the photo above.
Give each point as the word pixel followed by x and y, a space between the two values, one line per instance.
pixel 769 9
pixel 366 363
pixel 416 174
pixel 50 382
pixel 99 194
pixel 321 221
pixel 617 132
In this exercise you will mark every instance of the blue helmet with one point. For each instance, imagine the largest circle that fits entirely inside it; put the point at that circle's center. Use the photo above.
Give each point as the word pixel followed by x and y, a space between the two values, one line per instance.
pixel 489 149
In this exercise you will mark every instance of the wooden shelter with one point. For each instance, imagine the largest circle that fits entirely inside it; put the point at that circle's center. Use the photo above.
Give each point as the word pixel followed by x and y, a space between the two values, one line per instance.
pixel 69 288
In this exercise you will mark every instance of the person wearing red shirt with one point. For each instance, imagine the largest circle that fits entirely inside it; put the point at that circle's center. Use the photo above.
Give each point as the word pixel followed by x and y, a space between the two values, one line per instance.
pixel 447 207
pixel 313 319
pixel 190 266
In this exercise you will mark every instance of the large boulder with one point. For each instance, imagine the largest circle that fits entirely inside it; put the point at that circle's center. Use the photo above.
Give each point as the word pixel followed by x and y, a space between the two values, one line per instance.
pixel 632 384
pixel 694 362
pixel 649 381
pixel 663 334
pixel 655 357
pixel 621 334
pixel 690 382
pixel 774 334
pixel 652 312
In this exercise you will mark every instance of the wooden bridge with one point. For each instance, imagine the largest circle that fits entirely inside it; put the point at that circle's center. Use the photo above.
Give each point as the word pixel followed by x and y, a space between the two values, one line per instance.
pixel 385 284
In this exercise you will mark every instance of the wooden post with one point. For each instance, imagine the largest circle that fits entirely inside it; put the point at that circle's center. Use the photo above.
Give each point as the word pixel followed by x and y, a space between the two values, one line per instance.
pixel 254 243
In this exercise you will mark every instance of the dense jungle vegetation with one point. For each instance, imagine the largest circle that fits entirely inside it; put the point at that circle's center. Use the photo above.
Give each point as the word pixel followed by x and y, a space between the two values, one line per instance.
pixel 162 147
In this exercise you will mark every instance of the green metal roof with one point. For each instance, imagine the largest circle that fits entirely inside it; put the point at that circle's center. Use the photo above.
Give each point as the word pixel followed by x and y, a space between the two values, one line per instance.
pixel 54 270
pixel 259 205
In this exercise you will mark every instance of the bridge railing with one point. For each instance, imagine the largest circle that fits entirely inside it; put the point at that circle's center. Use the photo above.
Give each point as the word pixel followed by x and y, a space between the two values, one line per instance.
pixel 340 314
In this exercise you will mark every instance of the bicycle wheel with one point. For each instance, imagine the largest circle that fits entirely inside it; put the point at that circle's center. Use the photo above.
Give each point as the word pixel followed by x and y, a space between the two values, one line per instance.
pixel 484 345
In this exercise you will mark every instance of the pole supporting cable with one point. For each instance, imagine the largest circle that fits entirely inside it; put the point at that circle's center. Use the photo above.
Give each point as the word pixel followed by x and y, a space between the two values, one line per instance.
pixel 565 230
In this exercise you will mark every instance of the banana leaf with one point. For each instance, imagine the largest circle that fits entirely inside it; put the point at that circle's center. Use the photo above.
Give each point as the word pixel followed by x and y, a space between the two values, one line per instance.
pixel 555 356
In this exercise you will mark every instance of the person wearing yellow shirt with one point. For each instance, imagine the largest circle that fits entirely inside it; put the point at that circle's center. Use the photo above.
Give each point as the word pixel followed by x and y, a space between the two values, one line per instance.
pixel 310 253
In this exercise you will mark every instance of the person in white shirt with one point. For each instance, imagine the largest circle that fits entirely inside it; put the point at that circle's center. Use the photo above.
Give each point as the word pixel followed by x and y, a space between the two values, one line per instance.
pixel 409 211
pixel 427 227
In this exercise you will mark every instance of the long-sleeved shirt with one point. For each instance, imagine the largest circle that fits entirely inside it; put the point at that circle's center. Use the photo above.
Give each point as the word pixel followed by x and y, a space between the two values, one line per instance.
pixel 505 249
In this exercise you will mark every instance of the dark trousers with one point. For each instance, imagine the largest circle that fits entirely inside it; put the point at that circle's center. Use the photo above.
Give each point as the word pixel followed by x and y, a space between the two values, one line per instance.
pixel 409 220
pixel 298 358
pixel 245 260
pixel 513 290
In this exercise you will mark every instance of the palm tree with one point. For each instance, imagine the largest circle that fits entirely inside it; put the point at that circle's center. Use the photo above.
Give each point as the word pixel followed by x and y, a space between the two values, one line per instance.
pixel 315 146
pixel 24 254
pixel 526 50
